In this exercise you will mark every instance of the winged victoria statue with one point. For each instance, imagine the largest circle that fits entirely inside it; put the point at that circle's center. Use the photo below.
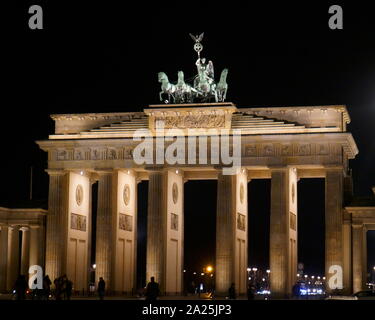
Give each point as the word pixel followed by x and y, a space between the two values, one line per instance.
pixel 201 88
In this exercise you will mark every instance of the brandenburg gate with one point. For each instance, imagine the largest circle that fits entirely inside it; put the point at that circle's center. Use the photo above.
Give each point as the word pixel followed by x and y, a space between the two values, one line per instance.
pixel 283 144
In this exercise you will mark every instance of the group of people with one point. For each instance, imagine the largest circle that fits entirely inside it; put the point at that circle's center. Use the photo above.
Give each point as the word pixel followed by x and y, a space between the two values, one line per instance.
pixel 63 288
pixel 21 288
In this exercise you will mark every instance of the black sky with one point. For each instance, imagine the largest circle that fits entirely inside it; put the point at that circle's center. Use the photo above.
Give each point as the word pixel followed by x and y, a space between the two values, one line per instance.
pixel 102 58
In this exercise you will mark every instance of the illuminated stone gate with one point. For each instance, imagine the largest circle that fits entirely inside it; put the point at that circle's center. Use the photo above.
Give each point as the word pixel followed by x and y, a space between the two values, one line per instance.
pixel 283 144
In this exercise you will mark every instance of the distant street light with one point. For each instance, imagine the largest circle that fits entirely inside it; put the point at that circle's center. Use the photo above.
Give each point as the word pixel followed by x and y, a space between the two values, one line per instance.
pixel 209 269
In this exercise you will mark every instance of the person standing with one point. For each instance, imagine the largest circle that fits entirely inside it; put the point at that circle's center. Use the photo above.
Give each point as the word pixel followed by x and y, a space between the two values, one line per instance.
pixel 152 290
pixel 232 292
pixel 20 287
pixel 58 288
pixel 250 292
pixel 101 288
pixel 68 288
pixel 296 291
pixel 46 287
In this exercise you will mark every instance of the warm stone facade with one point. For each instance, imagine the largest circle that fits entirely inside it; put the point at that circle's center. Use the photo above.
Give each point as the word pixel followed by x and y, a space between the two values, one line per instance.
pixel 283 144
pixel 360 216
pixel 31 222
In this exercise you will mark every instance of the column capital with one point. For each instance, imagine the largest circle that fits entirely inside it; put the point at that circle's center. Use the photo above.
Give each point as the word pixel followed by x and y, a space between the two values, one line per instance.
pixel 357 225
pixel 156 168
pixel 334 168
pixel 278 167
pixel 56 172
pixel 104 172
pixel 34 226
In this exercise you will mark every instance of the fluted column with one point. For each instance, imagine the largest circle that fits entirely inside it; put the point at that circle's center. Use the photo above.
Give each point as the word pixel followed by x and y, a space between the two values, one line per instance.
pixel 225 224
pixel 57 219
pixel 358 238
pixel 104 230
pixel 283 231
pixel 165 230
pixel 25 251
pixel 334 220
pixel 36 245
pixel 13 257
pixel 3 257
pixel 156 227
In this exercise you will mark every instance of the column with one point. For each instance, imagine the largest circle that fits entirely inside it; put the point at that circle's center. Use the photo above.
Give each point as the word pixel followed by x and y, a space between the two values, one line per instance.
pixel 283 231
pixel 126 230
pixel 57 219
pixel 36 245
pixel 358 238
pixel 156 226
pixel 77 232
pixel 104 229
pixel 225 224
pixel 13 257
pixel 174 233
pixel 25 250
pixel 3 257
pixel 334 223
pixel 89 279
pixel 231 233
pixel 165 230
pixel 347 254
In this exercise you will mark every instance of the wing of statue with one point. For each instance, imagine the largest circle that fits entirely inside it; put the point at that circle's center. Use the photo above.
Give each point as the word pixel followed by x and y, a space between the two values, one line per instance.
pixel 200 38
pixel 193 37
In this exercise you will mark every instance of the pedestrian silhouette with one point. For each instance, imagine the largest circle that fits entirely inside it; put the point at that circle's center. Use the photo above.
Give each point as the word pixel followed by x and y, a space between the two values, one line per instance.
pixel 296 290
pixel 46 287
pixel 232 292
pixel 250 292
pixel 58 288
pixel 152 290
pixel 68 288
pixel 20 287
pixel 101 288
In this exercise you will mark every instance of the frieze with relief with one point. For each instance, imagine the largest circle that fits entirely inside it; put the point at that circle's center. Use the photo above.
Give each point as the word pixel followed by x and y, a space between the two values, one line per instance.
pixel 193 121
pixel 93 154
pixel 291 149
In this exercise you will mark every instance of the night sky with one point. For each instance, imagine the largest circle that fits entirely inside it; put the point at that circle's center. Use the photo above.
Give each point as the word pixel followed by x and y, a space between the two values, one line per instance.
pixel 104 58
